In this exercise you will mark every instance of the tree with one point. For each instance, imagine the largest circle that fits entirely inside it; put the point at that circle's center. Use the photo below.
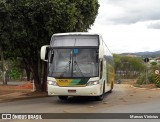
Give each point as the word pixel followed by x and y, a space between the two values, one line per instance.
pixel 32 22
pixel 153 63
pixel 4 36
pixel 128 67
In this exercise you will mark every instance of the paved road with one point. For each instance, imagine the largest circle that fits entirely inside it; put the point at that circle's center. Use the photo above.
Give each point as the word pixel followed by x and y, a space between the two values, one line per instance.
pixel 123 99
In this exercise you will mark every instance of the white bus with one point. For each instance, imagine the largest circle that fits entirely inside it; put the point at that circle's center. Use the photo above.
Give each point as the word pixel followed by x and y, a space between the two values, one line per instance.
pixel 79 64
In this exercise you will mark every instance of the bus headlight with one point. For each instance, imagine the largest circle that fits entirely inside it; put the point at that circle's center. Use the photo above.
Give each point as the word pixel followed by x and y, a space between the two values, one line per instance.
pixel 92 83
pixel 54 83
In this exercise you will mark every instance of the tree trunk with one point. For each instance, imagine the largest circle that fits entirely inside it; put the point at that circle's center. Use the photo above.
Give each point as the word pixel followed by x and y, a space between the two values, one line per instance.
pixel 33 66
pixel 37 79
pixel 3 69
pixel 28 73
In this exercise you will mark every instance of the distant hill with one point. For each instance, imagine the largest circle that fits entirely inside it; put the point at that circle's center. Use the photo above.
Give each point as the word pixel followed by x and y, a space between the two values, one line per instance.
pixel 144 54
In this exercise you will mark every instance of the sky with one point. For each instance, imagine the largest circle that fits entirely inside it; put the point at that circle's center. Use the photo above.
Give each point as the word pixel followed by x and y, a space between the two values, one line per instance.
pixel 129 25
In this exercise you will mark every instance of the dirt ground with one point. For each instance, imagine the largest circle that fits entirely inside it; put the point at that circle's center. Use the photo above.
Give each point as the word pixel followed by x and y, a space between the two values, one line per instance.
pixel 14 92
pixel 141 94
pixel 7 89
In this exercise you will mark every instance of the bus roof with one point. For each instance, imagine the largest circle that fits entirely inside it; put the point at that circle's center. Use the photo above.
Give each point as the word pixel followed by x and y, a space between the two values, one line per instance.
pixel 75 33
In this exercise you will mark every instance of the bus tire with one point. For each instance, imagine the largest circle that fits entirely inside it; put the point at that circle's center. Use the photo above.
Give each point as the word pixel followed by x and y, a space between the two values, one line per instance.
pixel 63 97
pixel 101 97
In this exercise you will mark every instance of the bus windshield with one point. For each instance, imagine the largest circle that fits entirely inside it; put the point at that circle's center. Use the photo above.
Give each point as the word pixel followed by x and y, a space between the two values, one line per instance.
pixel 74 63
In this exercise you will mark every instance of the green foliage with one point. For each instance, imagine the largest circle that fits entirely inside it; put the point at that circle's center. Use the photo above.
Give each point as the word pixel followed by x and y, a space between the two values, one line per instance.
pixel 152 78
pixel 128 67
pixel 141 79
pixel 153 63
pixel 28 24
pixel 13 68
pixel 117 77
pixel 14 74
pixel 32 22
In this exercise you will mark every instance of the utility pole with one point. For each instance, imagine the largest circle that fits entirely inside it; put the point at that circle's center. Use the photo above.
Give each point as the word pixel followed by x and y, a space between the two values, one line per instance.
pixel 146 60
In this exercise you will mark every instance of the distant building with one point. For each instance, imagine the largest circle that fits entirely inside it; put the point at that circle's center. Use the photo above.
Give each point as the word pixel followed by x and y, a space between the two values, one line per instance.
pixel 132 55
pixel 158 60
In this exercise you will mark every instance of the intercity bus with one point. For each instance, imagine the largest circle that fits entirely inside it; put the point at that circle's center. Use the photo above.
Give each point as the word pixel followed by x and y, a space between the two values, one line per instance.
pixel 79 64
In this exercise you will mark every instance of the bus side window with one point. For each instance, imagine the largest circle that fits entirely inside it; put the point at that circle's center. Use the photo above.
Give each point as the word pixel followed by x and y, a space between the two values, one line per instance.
pixel 101 69
pixel 97 56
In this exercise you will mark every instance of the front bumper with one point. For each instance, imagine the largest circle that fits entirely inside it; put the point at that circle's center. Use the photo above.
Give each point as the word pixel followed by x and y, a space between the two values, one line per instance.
pixel 94 90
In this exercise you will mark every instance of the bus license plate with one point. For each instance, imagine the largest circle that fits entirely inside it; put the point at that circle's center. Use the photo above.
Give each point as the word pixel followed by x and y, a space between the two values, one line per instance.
pixel 71 91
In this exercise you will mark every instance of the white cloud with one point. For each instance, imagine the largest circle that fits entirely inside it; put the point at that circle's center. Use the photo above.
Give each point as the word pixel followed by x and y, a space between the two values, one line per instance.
pixel 154 25
pixel 129 25
pixel 136 10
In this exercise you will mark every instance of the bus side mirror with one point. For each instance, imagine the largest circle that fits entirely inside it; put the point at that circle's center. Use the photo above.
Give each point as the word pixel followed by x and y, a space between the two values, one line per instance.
pixel 44 52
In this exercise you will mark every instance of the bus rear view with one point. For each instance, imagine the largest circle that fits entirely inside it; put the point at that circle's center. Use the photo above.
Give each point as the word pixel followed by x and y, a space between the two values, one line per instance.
pixel 78 66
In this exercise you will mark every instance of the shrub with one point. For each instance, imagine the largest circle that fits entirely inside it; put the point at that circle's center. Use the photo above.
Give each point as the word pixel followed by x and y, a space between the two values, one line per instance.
pixel 14 74
pixel 141 79
pixel 151 77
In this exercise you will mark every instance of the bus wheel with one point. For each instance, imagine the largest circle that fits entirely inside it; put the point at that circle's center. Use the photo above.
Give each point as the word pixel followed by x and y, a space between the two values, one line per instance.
pixel 63 97
pixel 101 97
